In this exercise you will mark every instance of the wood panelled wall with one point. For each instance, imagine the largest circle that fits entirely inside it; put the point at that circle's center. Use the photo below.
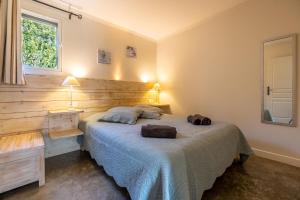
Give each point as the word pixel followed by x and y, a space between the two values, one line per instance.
pixel 25 108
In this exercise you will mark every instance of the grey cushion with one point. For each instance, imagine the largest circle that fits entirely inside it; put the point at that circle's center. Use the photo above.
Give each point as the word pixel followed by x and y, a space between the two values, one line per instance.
pixel 125 115
pixel 150 112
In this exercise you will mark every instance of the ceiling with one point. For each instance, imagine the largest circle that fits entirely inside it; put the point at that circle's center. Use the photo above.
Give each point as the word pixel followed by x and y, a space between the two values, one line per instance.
pixel 154 19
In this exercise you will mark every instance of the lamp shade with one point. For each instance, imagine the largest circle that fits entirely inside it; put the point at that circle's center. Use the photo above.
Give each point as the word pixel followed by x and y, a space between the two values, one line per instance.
pixel 70 81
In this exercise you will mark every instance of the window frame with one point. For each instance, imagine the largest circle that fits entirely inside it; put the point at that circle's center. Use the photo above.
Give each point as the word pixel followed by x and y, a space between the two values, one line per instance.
pixel 40 70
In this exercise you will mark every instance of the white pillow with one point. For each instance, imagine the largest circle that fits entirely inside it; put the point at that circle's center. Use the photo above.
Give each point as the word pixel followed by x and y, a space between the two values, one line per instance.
pixel 150 112
pixel 124 115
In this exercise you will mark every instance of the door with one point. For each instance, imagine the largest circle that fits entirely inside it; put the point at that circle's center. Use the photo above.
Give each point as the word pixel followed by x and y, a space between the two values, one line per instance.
pixel 279 90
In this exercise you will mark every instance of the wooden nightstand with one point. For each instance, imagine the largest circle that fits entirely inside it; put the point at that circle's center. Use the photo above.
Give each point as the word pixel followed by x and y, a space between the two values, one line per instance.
pixel 165 107
pixel 21 160
pixel 63 124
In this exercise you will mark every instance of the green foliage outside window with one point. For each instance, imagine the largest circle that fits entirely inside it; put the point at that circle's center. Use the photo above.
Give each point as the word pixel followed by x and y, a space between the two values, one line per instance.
pixel 39 45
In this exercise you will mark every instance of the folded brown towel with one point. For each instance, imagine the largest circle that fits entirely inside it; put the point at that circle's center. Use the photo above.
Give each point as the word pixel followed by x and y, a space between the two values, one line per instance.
pixel 204 120
pixel 194 120
pixel 198 119
pixel 158 131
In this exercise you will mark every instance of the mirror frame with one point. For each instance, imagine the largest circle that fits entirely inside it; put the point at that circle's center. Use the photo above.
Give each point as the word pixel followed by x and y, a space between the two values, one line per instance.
pixel 294 83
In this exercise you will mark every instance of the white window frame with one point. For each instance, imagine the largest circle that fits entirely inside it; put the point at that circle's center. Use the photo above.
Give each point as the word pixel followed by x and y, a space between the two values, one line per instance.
pixel 39 70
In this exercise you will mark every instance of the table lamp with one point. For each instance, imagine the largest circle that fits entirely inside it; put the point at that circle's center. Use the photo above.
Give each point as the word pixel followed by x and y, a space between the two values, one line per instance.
pixel 156 88
pixel 70 82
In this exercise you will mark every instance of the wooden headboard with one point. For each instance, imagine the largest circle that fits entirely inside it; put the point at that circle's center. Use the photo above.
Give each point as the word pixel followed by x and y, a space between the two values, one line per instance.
pixel 25 108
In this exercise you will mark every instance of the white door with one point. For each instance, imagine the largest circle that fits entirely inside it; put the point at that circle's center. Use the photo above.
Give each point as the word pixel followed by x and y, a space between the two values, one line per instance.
pixel 279 91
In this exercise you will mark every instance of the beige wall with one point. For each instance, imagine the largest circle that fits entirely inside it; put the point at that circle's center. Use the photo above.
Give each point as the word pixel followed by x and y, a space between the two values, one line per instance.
pixel 81 38
pixel 215 69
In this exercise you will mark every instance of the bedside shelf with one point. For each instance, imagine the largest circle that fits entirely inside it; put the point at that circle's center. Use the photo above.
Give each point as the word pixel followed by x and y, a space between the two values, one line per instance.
pixel 63 134
pixel 54 135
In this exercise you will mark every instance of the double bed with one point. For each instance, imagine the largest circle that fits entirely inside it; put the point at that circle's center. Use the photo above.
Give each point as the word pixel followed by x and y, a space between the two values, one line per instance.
pixel 169 169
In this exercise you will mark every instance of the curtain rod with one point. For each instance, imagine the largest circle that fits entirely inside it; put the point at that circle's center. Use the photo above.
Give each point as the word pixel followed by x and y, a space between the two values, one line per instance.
pixel 60 9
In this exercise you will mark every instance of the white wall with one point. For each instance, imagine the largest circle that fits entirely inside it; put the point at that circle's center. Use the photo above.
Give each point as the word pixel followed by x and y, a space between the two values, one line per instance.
pixel 82 38
pixel 215 69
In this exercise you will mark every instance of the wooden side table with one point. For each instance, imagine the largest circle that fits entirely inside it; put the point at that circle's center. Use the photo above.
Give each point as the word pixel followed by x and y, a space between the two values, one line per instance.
pixel 22 160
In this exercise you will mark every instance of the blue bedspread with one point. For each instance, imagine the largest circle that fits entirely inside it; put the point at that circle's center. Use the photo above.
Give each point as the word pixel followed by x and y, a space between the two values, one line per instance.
pixel 169 169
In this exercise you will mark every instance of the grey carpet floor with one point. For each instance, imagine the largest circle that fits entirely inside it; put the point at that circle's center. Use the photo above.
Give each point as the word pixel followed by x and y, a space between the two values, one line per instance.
pixel 75 176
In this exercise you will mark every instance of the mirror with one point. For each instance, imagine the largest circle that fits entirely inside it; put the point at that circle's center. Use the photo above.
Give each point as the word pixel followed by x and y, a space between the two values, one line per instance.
pixel 279 81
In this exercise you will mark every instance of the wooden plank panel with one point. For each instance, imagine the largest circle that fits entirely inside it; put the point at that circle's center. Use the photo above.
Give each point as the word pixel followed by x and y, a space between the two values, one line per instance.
pixel 6 97
pixel 65 89
pixel 44 113
pixel 14 107
pixel 23 124
pixel 19 115
pixel 24 108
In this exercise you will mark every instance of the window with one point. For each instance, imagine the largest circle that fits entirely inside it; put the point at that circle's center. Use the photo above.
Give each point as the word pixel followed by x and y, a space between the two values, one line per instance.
pixel 40 44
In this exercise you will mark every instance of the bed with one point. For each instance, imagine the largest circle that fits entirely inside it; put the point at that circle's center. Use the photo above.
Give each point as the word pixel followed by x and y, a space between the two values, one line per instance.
pixel 168 169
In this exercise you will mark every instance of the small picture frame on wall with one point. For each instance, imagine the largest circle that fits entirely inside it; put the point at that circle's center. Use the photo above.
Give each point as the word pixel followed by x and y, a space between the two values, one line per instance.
pixel 104 57
pixel 131 52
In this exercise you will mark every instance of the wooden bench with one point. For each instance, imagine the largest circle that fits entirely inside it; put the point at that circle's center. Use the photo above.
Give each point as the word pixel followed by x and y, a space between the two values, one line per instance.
pixel 21 160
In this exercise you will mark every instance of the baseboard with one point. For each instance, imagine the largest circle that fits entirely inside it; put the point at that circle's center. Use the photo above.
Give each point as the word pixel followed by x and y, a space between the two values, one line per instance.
pixel 277 157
